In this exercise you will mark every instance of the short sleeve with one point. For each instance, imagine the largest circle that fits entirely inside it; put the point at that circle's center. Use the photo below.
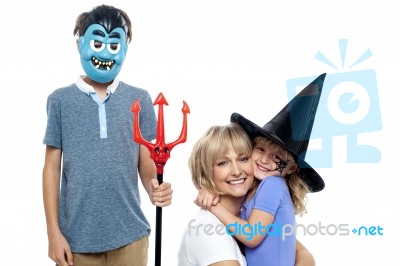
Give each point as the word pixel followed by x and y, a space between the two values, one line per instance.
pixel 147 118
pixel 53 129
pixel 211 247
pixel 269 195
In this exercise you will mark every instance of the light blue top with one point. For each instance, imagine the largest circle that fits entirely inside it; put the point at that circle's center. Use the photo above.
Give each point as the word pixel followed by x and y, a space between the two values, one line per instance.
pixel 277 249
pixel 99 203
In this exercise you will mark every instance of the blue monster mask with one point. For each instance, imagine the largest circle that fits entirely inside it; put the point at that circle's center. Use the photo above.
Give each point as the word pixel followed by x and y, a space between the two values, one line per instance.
pixel 102 53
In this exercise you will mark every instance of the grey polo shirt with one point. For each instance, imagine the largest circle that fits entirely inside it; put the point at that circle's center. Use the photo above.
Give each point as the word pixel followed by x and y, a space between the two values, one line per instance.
pixel 99 206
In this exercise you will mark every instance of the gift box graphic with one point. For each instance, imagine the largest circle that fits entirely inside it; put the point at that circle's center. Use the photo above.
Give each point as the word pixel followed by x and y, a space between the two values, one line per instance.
pixel 349 105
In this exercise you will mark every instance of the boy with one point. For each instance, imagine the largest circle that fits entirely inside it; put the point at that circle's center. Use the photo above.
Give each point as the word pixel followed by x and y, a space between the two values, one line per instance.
pixel 96 215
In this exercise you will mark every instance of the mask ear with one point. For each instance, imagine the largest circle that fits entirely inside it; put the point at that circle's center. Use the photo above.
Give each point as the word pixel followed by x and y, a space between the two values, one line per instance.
pixel 126 47
pixel 80 43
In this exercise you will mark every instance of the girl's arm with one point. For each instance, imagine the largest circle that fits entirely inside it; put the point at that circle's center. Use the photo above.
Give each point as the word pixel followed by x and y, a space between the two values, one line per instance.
pixel 251 232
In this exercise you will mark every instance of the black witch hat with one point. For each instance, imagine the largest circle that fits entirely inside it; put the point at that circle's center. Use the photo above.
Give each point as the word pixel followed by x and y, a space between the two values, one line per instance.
pixel 291 128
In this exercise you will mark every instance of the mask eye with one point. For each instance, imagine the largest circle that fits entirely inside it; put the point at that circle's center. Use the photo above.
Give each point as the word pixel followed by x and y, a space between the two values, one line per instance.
pixel 113 48
pixel 96 45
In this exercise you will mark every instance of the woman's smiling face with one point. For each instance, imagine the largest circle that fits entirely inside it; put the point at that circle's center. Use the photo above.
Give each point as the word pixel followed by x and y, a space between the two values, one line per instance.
pixel 233 173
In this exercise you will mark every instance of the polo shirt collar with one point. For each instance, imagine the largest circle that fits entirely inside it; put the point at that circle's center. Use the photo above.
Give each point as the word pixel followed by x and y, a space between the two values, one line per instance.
pixel 87 89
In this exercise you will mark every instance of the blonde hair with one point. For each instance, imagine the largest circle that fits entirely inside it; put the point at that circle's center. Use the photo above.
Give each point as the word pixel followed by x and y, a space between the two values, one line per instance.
pixel 297 186
pixel 213 145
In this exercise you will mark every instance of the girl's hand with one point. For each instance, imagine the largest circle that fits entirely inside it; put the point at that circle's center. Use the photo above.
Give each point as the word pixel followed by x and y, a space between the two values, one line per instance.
pixel 205 199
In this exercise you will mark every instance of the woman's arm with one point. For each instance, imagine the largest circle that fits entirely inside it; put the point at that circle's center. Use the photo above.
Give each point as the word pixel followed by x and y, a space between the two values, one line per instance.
pixel 226 263
pixel 303 256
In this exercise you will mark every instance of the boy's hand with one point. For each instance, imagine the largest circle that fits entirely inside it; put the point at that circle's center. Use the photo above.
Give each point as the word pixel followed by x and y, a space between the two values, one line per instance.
pixel 162 194
pixel 205 199
pixel 59 250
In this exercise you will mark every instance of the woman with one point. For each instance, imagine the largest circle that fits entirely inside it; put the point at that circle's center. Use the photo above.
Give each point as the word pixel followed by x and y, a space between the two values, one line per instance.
pixel 220 162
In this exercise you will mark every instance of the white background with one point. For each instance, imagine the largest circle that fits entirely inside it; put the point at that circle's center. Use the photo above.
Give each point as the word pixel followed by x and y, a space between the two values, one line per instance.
pixel 220 57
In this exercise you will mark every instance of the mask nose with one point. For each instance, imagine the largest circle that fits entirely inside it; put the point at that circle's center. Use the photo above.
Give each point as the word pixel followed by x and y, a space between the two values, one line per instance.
pixel 105 55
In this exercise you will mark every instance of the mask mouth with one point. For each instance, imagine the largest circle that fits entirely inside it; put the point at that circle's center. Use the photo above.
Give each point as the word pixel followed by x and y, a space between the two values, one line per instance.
pixel 102 65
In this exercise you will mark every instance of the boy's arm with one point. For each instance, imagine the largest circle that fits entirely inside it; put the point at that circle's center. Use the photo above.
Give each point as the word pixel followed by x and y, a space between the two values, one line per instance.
pixel 243 230
pixel 160 195
pixel 303 256
pixel 59 250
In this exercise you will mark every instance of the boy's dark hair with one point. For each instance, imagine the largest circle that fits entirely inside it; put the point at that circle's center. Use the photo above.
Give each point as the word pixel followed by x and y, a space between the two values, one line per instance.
pixel 108 16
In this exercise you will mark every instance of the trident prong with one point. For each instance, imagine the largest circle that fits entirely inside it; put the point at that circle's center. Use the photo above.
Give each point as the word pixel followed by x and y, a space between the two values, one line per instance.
pixel 159 151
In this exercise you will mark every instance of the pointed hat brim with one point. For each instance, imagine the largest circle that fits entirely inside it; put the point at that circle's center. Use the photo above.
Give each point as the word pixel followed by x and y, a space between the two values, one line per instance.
pixel 280 129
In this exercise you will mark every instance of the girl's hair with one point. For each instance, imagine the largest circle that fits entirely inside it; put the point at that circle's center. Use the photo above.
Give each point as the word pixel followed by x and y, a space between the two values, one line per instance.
pixel 108 16
pixel 212 145
pixel 297 186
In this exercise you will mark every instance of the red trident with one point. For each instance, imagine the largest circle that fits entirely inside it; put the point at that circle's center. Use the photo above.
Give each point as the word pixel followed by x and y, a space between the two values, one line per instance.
pixel 160 153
